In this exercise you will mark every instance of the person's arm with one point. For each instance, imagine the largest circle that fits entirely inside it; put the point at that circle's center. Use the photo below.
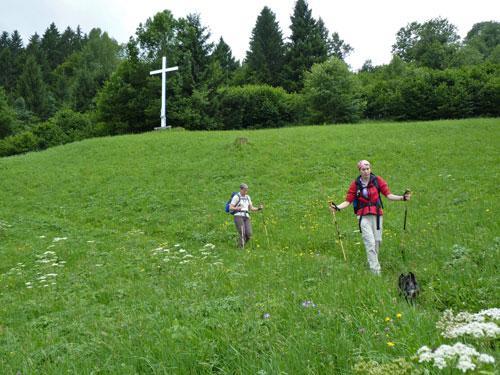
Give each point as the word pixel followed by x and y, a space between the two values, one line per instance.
pixel 384 188
pixel 338 207
pixel 405 197
pixel 252 208
pixel 351 195
pixel 233 206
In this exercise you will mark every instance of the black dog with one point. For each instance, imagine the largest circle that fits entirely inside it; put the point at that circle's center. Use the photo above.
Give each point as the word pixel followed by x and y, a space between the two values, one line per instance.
pixel 408 287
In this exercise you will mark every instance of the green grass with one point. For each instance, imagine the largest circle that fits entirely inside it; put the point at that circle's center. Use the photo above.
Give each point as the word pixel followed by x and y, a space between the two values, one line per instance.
pixel 122 304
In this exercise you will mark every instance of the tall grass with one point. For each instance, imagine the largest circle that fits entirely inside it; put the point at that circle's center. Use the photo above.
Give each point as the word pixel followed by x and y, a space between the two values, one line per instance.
pixel 128 223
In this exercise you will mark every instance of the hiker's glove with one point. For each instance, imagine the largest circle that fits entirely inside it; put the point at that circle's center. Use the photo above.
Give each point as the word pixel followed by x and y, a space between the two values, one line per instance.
pixel 334 207
pixel 407 195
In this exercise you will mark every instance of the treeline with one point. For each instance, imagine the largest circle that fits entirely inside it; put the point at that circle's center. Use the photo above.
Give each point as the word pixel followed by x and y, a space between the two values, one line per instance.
pixel 69 86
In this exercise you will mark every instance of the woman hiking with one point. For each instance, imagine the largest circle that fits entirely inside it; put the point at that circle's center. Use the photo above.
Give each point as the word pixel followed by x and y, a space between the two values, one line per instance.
pixel 241 204
pixel 364 193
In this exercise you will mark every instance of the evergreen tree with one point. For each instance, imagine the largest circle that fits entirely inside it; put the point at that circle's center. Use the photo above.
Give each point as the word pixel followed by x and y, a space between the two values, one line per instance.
pixel 338 48
pixel 265 58
pixel 15 44
pixel 194 46
pixel 6 115
pixel 4 40
pixel 33 89
pixel 51 40
pixel 223 56
pixel 34 48
pixel 67 43
pixel 307 46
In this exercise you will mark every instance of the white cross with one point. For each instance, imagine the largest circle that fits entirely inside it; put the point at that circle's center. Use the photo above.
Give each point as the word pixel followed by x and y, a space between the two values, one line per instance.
pixel 163 72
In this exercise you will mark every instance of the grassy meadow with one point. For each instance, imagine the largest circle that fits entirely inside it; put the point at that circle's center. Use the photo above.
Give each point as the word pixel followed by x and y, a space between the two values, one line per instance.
pixel 117 256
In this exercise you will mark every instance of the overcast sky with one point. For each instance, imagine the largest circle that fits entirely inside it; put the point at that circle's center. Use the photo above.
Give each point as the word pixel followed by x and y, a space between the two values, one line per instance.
pixel 369 26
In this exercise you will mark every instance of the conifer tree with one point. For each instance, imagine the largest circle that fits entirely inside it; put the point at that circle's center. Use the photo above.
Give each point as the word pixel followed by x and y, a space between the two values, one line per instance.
pixel 51 40
pixel 223 56
pixel 266 55
pixel 307 45
pixel 33 89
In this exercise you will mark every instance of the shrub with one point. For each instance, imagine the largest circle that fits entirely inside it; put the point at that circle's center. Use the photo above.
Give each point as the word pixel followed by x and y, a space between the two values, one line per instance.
pixel 254 106
pixel 333 93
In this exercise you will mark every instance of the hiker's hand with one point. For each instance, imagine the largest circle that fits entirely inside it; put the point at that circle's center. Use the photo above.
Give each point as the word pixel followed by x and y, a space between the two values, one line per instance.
pixel 407 195
pixel 334 207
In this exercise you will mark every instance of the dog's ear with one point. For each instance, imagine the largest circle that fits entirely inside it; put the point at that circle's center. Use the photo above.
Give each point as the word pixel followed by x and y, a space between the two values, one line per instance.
pixel 412 277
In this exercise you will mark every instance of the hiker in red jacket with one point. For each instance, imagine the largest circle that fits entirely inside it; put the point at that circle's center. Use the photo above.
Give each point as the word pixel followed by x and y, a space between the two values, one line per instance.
pixel 364 193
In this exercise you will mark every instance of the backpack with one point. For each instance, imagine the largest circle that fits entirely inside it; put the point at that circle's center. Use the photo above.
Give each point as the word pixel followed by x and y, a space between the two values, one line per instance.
pixel 228 203
pixel 356 204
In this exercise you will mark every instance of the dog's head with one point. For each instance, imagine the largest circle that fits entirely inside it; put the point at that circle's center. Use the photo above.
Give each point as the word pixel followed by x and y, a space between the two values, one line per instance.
pixel 408 285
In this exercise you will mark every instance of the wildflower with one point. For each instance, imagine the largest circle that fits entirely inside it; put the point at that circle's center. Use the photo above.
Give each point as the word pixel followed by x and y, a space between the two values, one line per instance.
pixel 461 354
pixel 399 315
pixel 390 344
pixel 57 239
pixel 465 323
pixel 307 304
pixel 387 319
pixel 266 316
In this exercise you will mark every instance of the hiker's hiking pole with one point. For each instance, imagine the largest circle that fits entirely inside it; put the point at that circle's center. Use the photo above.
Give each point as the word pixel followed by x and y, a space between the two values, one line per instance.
pixel 407 191
pixel 337 226
pixel 265 224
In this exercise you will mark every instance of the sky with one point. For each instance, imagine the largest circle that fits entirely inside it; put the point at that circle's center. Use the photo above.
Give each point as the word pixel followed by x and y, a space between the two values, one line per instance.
pixel 370 27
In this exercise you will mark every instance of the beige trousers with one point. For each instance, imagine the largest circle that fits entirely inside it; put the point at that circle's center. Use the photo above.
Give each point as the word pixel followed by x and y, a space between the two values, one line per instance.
pixel 372 239
pixel 244 229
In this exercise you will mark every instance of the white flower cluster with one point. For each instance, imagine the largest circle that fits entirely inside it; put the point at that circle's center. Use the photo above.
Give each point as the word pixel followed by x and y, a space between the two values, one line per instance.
pixel 182 256
pixel 477 325
pixel 464 356
pixel 45 261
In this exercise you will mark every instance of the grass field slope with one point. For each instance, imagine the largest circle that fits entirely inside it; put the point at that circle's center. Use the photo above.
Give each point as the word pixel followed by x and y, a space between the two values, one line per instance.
pixel 117 256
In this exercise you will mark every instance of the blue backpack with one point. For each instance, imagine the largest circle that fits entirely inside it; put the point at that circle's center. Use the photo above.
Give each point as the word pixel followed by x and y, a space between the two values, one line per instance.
pixel 228 203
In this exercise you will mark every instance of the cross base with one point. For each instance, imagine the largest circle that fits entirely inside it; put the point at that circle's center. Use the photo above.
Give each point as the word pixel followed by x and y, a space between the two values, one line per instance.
pixel 163 127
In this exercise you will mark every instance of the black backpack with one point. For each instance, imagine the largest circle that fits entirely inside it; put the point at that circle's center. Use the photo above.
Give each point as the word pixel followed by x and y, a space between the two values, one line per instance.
pixel 356 204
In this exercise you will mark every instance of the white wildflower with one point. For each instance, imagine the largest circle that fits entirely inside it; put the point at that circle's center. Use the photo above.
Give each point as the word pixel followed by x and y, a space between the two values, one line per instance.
pixel 182 251
pixel 461 354
pixel 209 245
pixel 475 329
pixel 57 239
pixel 485 358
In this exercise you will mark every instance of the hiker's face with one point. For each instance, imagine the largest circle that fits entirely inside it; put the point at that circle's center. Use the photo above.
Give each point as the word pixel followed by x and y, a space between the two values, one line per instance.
pixel 243 191
pixel 365 171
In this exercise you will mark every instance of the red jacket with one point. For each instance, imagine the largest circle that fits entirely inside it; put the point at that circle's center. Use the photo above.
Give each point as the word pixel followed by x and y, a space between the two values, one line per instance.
pixel 372 196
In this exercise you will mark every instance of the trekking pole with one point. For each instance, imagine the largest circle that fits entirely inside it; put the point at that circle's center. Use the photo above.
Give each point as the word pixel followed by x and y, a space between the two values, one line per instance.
pixel 403 255
pixel 243 239
pixel 265 227
pixel 337 227
pixel 407 191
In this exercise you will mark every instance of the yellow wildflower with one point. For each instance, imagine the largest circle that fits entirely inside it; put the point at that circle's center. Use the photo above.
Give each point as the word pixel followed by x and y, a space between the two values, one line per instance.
pixel 399 315
pixel 390 344
pixel 387 319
